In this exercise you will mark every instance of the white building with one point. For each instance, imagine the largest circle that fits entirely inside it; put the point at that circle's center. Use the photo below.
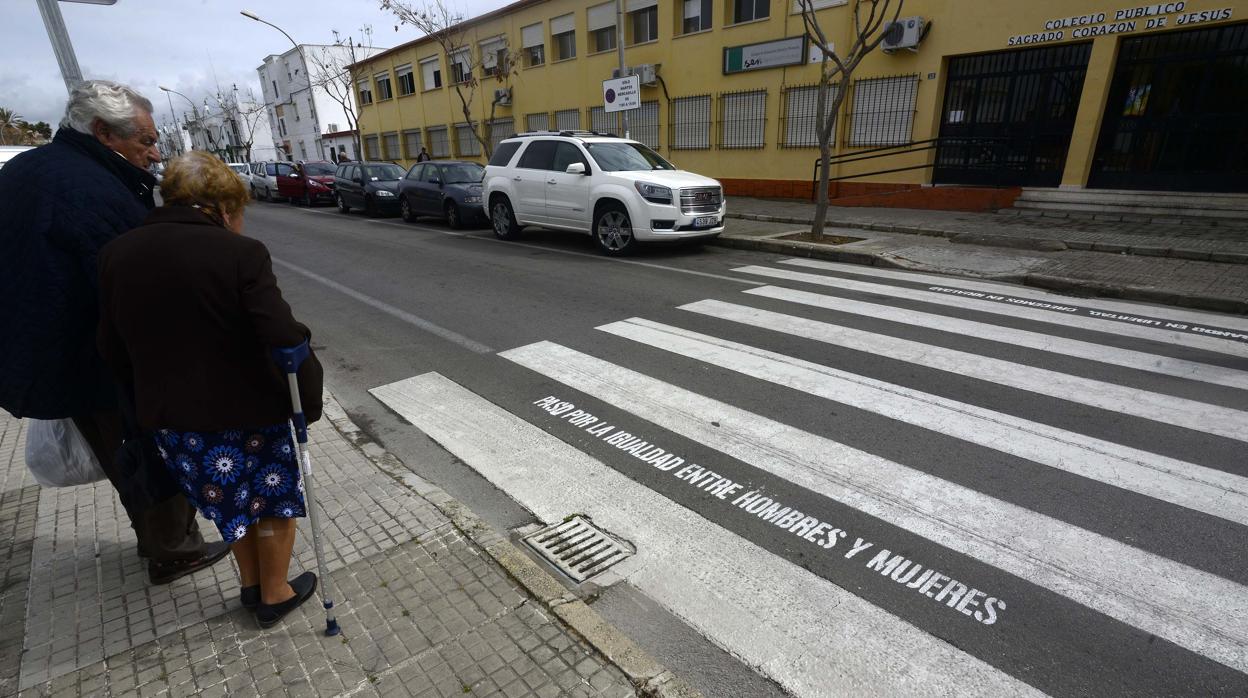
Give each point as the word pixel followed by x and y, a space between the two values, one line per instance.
pixel 300 116
pixel 226 129
pixel 341 144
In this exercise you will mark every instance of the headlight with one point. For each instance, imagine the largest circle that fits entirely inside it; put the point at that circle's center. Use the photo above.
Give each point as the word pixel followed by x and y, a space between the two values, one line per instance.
pixel 313 184
pixel 384 193
pixel 654 193
pixel 472 199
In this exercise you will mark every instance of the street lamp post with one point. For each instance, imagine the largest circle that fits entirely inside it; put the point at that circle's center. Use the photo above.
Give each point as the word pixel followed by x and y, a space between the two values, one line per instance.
pixel 306 75
pixel 194 109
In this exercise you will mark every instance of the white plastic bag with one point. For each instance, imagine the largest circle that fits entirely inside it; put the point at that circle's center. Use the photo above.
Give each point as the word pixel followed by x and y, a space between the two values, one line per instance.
pixel 58 455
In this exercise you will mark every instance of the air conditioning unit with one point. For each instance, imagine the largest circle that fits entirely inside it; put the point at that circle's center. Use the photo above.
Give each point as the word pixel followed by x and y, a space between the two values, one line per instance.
pixel 906 33
pixel 647 73
pixel 502 95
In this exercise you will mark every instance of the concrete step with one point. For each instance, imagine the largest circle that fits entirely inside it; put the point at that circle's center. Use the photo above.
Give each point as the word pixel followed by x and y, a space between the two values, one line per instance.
pixel 1152 211
pixel 1166 199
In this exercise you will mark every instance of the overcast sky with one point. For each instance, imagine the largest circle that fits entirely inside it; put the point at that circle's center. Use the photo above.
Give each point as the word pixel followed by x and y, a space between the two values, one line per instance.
pixel 188 45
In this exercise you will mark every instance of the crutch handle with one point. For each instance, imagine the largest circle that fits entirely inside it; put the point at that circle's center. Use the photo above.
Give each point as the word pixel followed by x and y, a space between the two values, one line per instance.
pixel 290 358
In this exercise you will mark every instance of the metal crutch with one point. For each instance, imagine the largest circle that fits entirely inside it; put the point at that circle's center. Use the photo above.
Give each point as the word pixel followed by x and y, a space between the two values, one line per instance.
pixel 289 360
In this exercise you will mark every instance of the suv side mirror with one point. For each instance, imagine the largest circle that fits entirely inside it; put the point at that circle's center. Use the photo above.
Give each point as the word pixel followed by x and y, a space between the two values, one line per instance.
pixel 576 168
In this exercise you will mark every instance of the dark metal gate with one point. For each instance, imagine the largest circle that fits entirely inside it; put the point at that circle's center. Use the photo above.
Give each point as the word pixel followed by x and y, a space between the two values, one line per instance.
pixel 1008 116
pixel 1177 115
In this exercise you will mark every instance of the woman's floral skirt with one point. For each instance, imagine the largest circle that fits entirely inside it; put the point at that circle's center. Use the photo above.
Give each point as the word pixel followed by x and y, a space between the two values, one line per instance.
pixel 238 476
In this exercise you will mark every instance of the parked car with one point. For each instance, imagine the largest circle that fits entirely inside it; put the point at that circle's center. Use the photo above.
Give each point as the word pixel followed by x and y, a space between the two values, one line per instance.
pixel 615 189
pixel 372 186
pixel 264 177
pixel 243 170
pixel 310 182
pixel 7 152
pixel 449 189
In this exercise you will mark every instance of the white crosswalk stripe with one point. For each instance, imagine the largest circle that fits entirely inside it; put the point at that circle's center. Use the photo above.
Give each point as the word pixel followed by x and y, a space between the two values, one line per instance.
pixel 1139 360
pixel 778 617
pixel 1098 324
pixel 1185 484
pixel 1166 409
pixel 763 606
pixel 1181 314
pixel 1192 608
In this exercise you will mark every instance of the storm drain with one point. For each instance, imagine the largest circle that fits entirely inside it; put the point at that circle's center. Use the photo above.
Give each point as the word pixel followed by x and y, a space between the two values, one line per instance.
pixel 576 548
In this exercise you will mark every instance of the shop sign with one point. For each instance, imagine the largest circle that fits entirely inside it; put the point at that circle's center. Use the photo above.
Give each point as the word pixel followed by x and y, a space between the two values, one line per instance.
pixel 768 54
pixel 1121 21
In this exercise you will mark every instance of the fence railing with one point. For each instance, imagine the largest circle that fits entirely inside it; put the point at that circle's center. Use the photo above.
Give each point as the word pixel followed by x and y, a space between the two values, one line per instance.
pixel 891 151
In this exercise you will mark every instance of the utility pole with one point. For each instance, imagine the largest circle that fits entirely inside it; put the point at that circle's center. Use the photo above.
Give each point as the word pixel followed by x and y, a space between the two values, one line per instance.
pixel 55 24
pixel 619 44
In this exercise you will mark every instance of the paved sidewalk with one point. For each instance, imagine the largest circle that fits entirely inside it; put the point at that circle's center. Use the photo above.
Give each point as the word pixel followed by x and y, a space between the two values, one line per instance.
pixel 426 607
pixel 957 244
pixel 1179 238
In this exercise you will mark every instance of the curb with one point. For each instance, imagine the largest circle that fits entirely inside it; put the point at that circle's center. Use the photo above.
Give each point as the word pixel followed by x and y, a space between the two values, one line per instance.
pixel 1060 284
pixel 650 678
pixel 1046 244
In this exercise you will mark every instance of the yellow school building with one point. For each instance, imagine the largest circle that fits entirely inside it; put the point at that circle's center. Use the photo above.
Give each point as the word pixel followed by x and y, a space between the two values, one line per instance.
pixel 971 99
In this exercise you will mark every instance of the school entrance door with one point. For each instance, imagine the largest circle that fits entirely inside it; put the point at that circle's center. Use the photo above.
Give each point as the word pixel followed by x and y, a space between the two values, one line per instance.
pixel 1177 115
pixel 1008 116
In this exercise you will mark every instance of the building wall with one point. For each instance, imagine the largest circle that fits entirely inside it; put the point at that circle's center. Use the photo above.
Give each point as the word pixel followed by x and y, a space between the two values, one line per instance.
pixel 292 103
pixel 692 65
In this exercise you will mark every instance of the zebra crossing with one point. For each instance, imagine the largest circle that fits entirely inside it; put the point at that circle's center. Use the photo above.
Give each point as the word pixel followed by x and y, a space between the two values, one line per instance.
pixel 971 489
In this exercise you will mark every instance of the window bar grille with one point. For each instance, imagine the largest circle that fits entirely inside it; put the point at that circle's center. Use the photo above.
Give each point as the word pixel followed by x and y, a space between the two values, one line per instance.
pixel 882 111
pixel 743 119
pixel 689 122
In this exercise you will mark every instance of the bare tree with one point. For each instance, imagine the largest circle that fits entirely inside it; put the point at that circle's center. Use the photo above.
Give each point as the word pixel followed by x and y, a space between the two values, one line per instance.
pixel 330 73
pixel 836 70
pixel 248 115
pixel 470 73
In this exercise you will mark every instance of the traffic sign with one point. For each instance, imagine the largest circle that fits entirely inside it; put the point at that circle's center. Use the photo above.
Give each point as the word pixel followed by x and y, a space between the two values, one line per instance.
pixel 621 94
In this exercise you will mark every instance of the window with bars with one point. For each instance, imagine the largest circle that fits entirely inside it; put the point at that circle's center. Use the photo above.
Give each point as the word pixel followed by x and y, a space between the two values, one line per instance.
pixel 600 121
pixel 500 129
pixel 412 143
pixel 537 122
pixel 370 147
pixel 643 124
pixel 406 79
pixel 690 123
pixel 439 142
pixel 466 140
pixel 882 110
pixel 568 120
pixel 391 143
pixel 743 119
pixel 695 16
pixel 801 115
pixel 366 92
pixel 431 73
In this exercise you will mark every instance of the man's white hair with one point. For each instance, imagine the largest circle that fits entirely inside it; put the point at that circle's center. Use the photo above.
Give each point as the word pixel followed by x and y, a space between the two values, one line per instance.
pixel 114 104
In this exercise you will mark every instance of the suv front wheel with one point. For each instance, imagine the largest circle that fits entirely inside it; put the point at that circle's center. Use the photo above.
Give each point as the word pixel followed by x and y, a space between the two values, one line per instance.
pixel 503 219
pixel 613 231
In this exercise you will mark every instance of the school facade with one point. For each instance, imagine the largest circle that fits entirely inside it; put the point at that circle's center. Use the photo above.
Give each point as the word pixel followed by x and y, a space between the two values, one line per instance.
pixel 985 96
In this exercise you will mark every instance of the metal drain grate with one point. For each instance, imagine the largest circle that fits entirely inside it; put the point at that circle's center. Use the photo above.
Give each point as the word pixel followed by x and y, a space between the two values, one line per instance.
pixel 577 548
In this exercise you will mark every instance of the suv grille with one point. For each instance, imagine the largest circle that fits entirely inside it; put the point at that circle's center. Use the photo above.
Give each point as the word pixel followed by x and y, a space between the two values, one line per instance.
pixel 700 200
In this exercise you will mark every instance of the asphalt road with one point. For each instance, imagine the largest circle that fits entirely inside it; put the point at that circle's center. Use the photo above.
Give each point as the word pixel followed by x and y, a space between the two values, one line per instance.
pixel 851 481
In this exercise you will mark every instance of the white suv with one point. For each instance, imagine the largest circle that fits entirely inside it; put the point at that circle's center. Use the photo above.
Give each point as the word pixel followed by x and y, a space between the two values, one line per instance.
pixel 615 189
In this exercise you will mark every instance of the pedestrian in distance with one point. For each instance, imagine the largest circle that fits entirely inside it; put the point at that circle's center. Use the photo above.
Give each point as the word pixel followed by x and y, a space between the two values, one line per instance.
pixel 423 156
pixel 59 205
pixel 190 311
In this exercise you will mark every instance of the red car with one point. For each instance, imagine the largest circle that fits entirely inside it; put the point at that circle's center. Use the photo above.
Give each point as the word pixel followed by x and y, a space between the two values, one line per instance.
pixel 310 182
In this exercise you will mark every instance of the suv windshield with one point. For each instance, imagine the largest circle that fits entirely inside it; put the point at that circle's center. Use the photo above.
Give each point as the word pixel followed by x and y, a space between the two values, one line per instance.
pixel 623 157
pixel 382 173
pixel 315 169
pixel 468 173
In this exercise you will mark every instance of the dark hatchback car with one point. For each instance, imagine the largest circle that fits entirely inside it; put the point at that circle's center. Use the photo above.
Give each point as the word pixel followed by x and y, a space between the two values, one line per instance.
pixel 449 189
pixel 372 186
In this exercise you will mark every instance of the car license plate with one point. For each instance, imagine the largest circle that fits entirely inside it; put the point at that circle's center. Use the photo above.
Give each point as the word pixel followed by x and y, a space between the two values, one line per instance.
pixel 706 222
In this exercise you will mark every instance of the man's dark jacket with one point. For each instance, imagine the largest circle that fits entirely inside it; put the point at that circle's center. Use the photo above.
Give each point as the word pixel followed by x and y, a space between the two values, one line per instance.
pixel 59 204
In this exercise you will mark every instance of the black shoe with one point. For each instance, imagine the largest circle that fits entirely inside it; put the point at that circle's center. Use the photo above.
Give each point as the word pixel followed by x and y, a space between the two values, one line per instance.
pixel 250 597
pixel 164 572
pixel 304 585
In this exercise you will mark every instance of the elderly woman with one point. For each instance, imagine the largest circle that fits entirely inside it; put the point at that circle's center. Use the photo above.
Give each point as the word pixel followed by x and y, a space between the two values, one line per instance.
pixel 189 312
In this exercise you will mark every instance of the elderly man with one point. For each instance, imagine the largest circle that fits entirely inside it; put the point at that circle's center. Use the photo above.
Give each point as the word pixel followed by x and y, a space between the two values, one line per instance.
pixel 59 204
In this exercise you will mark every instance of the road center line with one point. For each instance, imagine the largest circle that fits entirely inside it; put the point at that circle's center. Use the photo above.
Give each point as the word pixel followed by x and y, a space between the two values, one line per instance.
pixel 430 327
